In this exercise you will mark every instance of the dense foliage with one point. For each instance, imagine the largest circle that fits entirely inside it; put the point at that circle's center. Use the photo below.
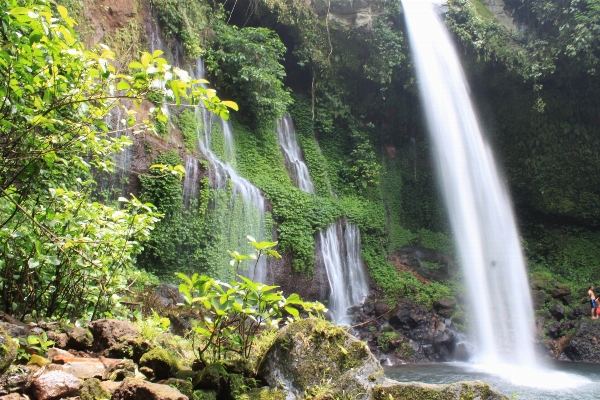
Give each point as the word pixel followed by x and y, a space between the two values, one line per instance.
pixel 61 254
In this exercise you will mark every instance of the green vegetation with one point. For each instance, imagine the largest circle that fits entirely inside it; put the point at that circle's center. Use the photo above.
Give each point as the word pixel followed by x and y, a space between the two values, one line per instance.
pixel 63 255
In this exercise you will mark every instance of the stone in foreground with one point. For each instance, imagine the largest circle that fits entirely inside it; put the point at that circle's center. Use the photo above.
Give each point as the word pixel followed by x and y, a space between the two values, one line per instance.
pixel 475 390
pixel 137 389
pixel 313 355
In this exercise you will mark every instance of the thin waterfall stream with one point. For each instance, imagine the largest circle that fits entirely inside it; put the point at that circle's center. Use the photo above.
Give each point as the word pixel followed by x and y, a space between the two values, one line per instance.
pixel 340 242
pixel 477 202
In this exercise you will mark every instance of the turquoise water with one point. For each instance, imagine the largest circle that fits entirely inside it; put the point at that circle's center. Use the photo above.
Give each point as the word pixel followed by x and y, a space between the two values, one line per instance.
pixel 562 381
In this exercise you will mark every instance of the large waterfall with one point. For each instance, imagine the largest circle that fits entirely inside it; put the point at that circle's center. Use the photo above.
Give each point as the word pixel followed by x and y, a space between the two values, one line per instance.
pixel 477 201
pixel 340 243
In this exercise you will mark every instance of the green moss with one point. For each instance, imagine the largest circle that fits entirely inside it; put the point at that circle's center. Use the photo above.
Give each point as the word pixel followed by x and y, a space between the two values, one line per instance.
pixel 92 390
pixel 8 351
pixel 462 391
pixel 162 364
pixel 266 394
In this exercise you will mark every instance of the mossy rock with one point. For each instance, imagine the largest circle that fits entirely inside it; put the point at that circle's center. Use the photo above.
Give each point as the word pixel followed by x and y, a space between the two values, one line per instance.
pixel 162 364
pixel 92 390
pixel 266 394
pixel 475 390
pixel 8 351
pixel 308 351
pixel 204 395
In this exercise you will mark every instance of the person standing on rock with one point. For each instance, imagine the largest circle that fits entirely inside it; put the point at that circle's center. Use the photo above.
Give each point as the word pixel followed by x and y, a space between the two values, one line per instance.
pixel 593 302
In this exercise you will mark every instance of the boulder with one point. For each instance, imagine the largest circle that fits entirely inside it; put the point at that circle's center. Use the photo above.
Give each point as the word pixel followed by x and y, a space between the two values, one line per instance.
pixel 308 352
pixel 117 339
pixel 108 333
pixel 579 312
pixel 454 391
pixel 539 299
pixel 381 308
pixel 80 338
pixel 554 330
pixel 55 385
pixel 560 291
pixel 60 340
pixel 137 389
pixel 17 378
pixel 557 311
pixel 585 344
pixel 8 351
pixel 162 364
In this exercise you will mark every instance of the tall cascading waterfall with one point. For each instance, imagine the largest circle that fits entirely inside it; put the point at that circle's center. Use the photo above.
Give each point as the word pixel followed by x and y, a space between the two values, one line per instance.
pixel 245 214
pixel 477 200
pixel 340 243
pixel 237 208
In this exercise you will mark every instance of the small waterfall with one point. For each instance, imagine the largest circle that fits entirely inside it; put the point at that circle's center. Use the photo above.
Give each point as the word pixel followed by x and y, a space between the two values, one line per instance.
pixel 477 201
pixel 293 155
pixel 114 185
pixel 345 269
pixel 340 243
pixel 190 181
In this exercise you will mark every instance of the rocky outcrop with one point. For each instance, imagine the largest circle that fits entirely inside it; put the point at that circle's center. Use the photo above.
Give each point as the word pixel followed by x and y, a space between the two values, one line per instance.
pixel 314 353
pixel 455 391
pixel 585 344
pixel 409 332
pixel 348 14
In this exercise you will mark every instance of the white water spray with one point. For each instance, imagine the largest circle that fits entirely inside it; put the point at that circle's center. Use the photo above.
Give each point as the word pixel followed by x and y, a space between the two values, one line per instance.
pixel 340 243
pixel 293 155
pixel 477 201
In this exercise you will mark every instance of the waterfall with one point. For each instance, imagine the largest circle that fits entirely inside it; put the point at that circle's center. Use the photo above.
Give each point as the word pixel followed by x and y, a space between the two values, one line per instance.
pixel 190 181
pixel 345 270
pixel 245 214
pixel 340 243
pixel 293 156
pixel 477 200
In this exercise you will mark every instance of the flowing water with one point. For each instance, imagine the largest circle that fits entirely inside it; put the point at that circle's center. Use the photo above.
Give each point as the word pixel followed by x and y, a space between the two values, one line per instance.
pixel 569 381
pixel 293 156
pixel 340 243
pixel 245 214
pixel 190 181
pixel 476 198
pixel 345 270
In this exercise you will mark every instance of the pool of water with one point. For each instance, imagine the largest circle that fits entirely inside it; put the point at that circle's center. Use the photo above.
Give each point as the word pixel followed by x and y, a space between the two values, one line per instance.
pixel 564 381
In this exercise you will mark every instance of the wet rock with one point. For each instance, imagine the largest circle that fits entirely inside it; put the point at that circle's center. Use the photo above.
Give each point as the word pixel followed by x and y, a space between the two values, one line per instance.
pixel 560 291
pixel 110 333
pixel 80 338
pixel 168 295
pixel 585 344
pixel 381 308
pixel 415 390
pixel 567 300
pixel 17 378
pixel 557 311
pixel 306 351
pixel 539 299
pixel 120 370
pixel 445 303
pixel 8 351
pixel 137 389
pixel 579 312
pixel 55 385
pixel 554 330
